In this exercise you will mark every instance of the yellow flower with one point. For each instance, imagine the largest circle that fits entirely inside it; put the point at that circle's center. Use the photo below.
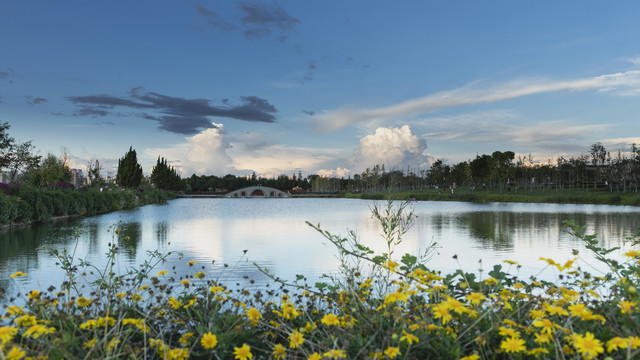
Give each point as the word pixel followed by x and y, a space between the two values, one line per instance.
pixel 537 314
pixel 471 357
pixel 209 341
pixel 25 320
pixel 505 331
pixel 537 351
pixel 441 311
pixel 455 305
pixel 410 338
pixel 83 301
pixel 18 273
pixel 163 272
pixel 556 310
pixel 475 298
pixel 330 319
pixel 254 315
pixel 185 282
pixel 216 289
pixel 392 352
pixel 174 303
pixel 184 339
pixel 491 281
pixel 512 345
pixel 617 342
pixel 15 353
pixel 549 261
pixel 396 296
pixel 542 338
pixel 33 295
pixel 627 306
pixel 511 262
pixel 632 253
pixel 335 354
pixel 190 303
pixel 314 356
pixel 295 339
pixel 7 333
pixel 279 351
pixel 199 275
pixel 192 262
pixel 36 330
pixel 587 345
pixel 90 344
pixel 546 325
pixel 392 265
pixel 243 352
pixel 15 310
pixel 634 341
pixel 113 343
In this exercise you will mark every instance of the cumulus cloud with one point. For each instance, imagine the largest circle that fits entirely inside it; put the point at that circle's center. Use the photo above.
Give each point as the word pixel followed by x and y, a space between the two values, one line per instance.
pixel 213 151
pixel 175 114
pixel 203 153
pixel 257 20
pixel 337 173
pixel 396 148
pixel 623 83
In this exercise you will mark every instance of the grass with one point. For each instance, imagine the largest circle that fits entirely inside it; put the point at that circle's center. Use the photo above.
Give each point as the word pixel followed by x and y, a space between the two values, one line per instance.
pixel 382 306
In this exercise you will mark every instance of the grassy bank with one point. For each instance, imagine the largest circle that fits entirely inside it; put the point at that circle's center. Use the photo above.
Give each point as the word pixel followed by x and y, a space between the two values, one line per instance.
pixel 33 205
pixel 381 306
pixel 531 196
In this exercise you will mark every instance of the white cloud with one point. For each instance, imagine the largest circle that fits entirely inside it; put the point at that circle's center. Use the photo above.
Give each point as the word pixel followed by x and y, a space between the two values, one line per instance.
pixel 337 173
pixel 212 151
pixel 623 83
pixel 203 153
pixel 394 147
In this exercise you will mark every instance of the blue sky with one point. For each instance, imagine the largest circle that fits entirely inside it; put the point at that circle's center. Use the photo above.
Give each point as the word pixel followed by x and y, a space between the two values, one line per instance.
pixel 329 87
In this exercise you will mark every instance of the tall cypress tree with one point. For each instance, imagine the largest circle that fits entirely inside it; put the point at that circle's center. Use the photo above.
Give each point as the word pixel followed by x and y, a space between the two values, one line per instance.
pixel 165 177
pixel 129 171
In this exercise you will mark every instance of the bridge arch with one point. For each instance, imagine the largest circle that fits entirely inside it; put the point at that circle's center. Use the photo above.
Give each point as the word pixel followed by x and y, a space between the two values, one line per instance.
pixel 258 192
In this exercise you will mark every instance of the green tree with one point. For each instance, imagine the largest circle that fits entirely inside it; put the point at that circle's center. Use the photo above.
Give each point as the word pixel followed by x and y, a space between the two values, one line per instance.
pixel 6 143
pixel 598 156
pixel 165 177
pixel 481 168
pixel 93 174
pixel 22 158
pixel 129 172
pixel 503 166
pixel 52 170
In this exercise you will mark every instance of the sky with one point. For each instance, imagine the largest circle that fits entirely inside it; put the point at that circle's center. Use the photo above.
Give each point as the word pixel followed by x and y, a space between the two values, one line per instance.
pixel 318 87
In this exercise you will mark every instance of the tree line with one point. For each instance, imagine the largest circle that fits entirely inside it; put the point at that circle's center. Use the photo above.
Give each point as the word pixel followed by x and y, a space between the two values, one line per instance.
pixel 599 169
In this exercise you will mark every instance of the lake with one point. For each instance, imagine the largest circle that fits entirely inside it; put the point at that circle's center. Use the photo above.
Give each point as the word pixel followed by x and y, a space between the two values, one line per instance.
pixel 217 231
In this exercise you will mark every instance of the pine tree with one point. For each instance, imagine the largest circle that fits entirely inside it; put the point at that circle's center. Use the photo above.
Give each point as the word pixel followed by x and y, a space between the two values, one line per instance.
pixel 129 171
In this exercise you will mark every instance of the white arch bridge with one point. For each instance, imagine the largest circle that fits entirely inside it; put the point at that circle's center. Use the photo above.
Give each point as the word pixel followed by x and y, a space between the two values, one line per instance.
pixel 258 192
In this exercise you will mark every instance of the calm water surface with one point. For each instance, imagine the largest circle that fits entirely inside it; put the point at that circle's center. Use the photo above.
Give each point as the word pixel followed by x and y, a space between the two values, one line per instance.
pixel 214 232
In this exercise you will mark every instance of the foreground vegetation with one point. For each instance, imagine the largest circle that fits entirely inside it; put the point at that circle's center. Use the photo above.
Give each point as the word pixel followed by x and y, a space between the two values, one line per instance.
pixel 524 196
pixel 381 306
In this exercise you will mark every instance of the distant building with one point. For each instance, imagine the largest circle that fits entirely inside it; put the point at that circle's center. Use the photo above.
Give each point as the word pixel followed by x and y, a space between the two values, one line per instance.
pixel 77 177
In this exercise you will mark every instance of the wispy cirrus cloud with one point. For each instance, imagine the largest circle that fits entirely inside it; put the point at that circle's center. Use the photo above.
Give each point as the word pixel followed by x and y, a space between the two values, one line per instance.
pixel 622 83
pixel 175 114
